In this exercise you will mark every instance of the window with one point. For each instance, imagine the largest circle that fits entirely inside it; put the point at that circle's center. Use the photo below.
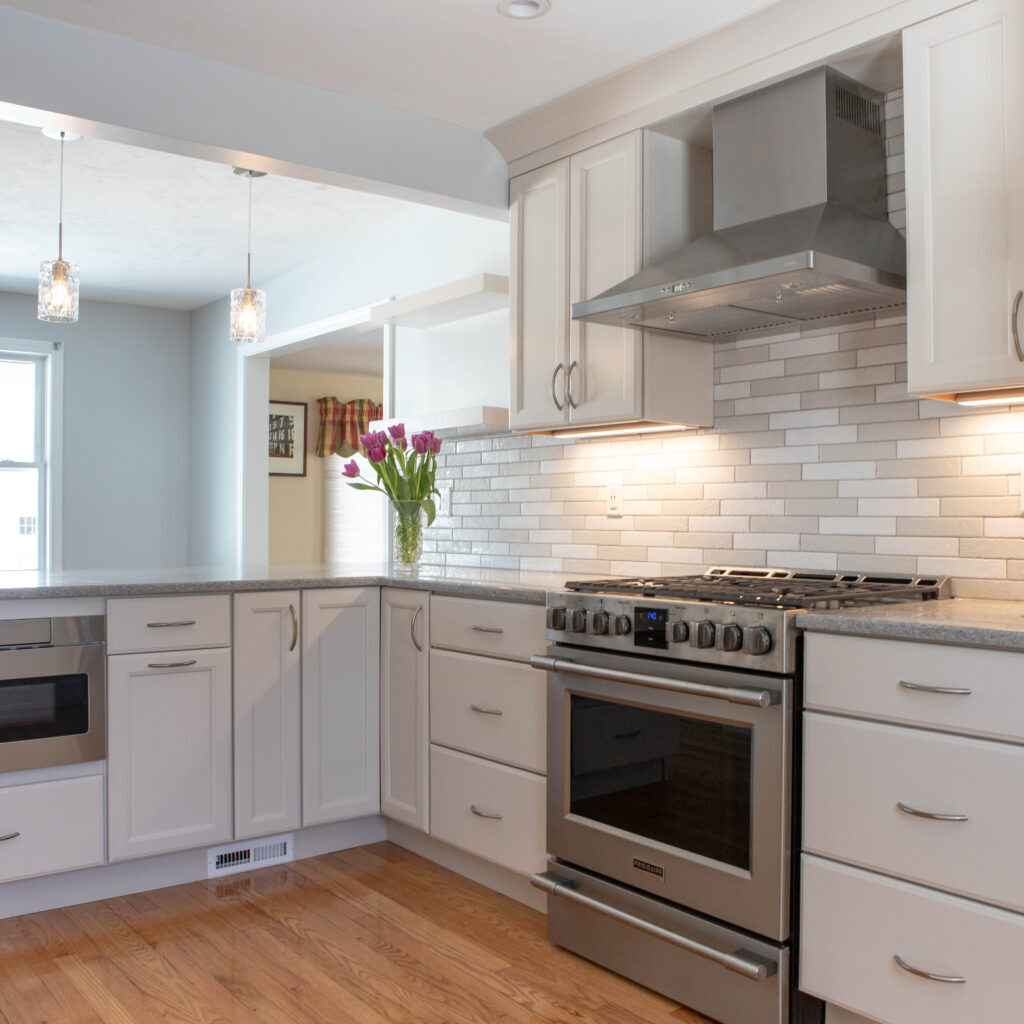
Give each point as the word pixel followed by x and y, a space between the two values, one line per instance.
pixel 27 378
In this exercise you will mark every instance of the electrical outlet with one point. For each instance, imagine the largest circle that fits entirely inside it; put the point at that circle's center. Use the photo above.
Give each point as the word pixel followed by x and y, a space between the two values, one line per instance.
pixel 444 502
pixel 613 507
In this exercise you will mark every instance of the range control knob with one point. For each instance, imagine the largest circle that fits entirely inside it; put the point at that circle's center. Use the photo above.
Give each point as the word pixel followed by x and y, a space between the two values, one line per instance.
pixel 599 623
pixel 577 621
pixel 678 632
pixel 621 626
pixel 730 636
pixel 702 634
pixel 555 618
pixel 757 640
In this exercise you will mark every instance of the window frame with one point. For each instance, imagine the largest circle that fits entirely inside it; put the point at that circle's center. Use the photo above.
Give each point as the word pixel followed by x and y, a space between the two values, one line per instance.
pixel 49 357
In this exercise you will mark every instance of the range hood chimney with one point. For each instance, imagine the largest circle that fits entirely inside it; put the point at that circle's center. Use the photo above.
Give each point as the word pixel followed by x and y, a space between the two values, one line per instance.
pixel 801 231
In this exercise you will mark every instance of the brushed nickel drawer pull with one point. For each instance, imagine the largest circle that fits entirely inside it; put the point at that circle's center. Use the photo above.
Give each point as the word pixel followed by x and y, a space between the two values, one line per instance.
pixel 172 664
pixel 568 384
pixel 930 814
pixel 950 979
pixel 959 691
pixel 412 628
pixel 554 397
pixel 628 735
pixel 170 625
pixel 1013 321
pixel 480 709
pixel 484 814
pixel 295 628
pixel 10 835
pixel 487 629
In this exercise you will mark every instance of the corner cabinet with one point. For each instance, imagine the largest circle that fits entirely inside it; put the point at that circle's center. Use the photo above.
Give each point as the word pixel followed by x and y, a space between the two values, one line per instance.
pixel 340 709
pixel 964 124
pixel 577 230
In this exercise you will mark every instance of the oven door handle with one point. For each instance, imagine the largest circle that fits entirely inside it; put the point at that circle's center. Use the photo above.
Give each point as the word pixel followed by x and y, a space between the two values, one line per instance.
pixel 740 961
pixel 732 694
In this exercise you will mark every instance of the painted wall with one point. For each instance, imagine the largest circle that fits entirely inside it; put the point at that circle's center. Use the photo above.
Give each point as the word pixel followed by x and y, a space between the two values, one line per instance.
pixel 296 534
pixel 126 431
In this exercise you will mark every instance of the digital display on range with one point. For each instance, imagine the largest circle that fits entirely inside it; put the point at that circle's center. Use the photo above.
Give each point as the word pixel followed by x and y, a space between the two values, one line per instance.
pixel 649 627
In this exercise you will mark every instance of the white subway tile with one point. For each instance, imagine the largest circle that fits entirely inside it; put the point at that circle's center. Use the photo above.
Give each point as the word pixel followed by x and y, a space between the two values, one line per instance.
pixel 917 546
pixel 878 488
pixel 752 507
pixel 720 524
pixel 898 506
pixel 839 471
pixel 876 525
pixel 778 541
pixel 797 453
pixel 821 435
pixel 927 448
pixel 805 418
pixel 978 568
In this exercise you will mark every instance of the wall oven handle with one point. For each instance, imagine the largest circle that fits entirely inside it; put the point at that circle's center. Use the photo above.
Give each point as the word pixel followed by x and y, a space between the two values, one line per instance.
pixel 732 694
pixel 740 961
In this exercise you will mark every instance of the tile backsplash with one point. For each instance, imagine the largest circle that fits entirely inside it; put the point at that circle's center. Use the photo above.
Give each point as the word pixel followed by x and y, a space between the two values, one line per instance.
pixel 818 459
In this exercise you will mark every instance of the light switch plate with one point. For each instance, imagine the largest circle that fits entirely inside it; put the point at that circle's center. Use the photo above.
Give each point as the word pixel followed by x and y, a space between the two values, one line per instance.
pixel 444 502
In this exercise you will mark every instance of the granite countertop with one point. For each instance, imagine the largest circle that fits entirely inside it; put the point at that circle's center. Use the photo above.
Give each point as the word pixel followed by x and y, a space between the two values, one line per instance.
pixel 489 584
pixel 969 622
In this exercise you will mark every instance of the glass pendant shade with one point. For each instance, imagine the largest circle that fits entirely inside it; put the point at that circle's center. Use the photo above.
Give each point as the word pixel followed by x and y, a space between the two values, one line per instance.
pixel 248 314
pixel 58 292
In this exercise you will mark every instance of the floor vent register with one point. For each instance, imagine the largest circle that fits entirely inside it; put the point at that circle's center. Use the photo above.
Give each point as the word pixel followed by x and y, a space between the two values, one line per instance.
pixel 246 856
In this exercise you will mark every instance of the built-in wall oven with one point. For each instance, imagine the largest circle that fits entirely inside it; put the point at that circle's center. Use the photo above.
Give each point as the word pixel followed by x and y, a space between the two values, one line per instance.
pixel 673 725
pixel 52 692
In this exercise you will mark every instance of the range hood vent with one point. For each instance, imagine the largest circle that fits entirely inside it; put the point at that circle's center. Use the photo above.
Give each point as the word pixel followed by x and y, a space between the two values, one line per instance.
pixel 801 232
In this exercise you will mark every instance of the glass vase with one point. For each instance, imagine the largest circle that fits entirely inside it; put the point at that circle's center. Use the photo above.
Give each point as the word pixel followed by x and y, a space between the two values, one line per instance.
pixel 408 532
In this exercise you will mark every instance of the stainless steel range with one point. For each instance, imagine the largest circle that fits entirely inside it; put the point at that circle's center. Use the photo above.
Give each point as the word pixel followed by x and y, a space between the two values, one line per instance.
pixel 673 730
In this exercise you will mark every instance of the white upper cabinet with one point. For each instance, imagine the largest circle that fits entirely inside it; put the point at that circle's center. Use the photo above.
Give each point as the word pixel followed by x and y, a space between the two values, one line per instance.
pixel 964 123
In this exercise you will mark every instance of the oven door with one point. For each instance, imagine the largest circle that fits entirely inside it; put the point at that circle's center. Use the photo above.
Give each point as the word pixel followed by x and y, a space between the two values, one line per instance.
pixel 673 779
pixel 52 708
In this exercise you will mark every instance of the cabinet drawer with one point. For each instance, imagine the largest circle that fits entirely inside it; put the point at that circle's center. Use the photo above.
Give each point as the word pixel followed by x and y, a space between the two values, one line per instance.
pixel 860 676
pixel 459 783
pixel 857 773
pixel 856 923
pixel 139 624
pixel 61 825
pixel 491 708
pixel 498 628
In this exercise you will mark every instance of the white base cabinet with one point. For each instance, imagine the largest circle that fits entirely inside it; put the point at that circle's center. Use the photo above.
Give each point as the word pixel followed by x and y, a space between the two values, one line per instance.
pixel 340 704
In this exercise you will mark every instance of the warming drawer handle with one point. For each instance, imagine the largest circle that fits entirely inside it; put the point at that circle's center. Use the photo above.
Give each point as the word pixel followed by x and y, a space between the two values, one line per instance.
pixel 959 691
pixel 950 979
pixel 741 961
pixel 10 835
pixel 732 694
pixel 933 815
pixel 485 814
pixel 172 664
pixel 170 625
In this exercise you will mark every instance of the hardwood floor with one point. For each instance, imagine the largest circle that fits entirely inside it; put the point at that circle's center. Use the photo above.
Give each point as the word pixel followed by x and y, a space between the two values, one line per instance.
pixel 373 935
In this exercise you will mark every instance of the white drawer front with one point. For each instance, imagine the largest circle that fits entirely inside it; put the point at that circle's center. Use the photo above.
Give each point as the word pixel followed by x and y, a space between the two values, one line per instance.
pixel 139 624
pixel 856 773
pixel 498 628
pixel 492 708
pixel 60 823
pixel 855 923
pixel 861 676
pixel 459 783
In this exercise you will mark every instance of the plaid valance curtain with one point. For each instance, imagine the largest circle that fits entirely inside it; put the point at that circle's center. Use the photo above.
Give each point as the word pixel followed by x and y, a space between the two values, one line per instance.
pixel 341 423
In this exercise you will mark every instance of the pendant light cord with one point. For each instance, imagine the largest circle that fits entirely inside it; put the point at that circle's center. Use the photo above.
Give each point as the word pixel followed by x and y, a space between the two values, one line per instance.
pixel 248 266
pixel 60 205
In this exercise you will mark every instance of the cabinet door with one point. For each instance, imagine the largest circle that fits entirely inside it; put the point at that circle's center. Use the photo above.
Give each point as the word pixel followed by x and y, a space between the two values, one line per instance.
pixel 964 117
pixel 605 222
pixel 538 305
pixel 340 709
pixel 267 701
pixel 168 751
pixel 405 634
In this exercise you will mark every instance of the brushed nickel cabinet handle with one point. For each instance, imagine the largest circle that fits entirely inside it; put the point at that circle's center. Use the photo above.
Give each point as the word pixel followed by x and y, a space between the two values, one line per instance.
pixel 484 814
pixel 933 815
pixel 295 628
pixel 487 629
pixel 627 735
pixel 170 625
pixel 568 384
pixel 481 710
pixel 554 397
pixel 958 691
pixel 172 664
pixel 950 979
pixel 412 628
pixel 1013 324
pixel 10 835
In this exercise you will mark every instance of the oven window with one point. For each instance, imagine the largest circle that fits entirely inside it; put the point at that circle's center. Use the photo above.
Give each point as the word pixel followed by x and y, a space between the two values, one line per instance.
pixel 43 706
pixel 685 782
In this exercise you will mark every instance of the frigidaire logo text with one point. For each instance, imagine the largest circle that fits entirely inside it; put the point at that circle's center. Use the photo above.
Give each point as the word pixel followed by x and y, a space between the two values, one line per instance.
pixel 642 867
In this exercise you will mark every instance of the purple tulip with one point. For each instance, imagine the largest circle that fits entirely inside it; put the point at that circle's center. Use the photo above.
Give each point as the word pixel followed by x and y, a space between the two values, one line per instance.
pixel 351 469
pixel 435 445
pixel 420 444
pixel 378 453
pixel 397 431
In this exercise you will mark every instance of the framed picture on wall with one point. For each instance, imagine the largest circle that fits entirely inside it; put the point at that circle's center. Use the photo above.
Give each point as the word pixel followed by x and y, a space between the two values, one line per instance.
pixel 287 438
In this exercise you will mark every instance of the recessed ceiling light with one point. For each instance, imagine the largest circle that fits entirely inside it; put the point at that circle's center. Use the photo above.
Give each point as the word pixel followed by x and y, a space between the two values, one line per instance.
pixel 524 8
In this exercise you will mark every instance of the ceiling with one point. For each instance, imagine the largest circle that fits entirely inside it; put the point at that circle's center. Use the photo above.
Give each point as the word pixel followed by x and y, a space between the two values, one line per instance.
pixel 357 351
pixel 158 229
pixel 455 60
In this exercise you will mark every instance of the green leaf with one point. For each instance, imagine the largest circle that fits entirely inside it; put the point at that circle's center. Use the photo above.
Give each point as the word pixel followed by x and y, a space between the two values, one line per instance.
pixel 365 487
pixel 429 508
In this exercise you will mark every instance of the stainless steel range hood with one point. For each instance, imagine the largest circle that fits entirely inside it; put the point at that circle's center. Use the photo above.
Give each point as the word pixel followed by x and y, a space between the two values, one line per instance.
pixel 801 232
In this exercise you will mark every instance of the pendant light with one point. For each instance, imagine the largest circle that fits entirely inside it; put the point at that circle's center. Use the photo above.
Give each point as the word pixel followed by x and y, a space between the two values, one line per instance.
pixel 248 304
pixel 58 279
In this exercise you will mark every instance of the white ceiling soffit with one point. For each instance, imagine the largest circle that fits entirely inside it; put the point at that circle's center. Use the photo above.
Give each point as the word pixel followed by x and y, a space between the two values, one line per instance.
pixel 454 60
pixel 157 229
pixel 357 352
